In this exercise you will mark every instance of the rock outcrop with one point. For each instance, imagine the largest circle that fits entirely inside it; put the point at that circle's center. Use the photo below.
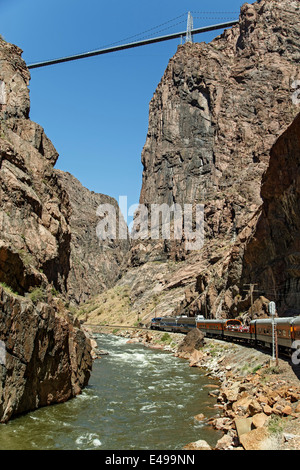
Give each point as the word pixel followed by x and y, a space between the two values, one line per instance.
pixel 46 357
pixel 95 264
pixel 192 342
pixel 272 256
pixel 35 235
pixel 213 120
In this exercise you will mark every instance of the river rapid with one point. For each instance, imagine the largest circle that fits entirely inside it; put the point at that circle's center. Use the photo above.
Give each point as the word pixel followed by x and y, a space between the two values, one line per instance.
pixel 137 399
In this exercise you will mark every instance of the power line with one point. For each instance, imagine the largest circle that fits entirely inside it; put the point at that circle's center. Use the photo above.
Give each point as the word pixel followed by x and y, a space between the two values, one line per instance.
pixel 216 12
pixel 143 33
pixel 230 14
pixel 131 45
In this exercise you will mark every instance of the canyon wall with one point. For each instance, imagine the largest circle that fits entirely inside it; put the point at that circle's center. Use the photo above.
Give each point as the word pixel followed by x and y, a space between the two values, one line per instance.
pixel 272 256
pixel 35 235
pixel 95 264
pixel 45 356
pixel 213 120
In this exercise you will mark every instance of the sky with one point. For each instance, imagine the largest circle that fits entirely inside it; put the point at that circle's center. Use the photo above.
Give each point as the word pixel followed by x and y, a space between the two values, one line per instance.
pixel 95 110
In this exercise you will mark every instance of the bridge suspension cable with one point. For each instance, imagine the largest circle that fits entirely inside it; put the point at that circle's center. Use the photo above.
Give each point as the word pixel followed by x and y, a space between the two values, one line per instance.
pixel 131 45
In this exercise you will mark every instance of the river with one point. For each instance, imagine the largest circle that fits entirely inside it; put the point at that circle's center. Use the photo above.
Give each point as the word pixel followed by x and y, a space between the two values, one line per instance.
pixel 137 399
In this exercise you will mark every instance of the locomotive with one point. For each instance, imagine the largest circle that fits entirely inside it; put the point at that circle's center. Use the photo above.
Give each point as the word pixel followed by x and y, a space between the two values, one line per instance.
pixel 180 324
pixel 258 333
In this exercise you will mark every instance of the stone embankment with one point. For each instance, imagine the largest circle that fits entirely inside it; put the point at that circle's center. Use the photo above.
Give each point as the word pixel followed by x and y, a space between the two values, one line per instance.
pixel 257 402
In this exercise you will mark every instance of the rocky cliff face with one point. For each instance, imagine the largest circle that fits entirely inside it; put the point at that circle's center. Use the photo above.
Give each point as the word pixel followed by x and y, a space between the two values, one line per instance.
pixel 272 256
pixel 220 106
pixel 35 236
pixel 213 120
pixel 45 356
pixel 95 265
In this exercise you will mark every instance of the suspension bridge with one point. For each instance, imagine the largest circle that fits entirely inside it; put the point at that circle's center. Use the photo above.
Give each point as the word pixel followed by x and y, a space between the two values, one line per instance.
pixel 187 34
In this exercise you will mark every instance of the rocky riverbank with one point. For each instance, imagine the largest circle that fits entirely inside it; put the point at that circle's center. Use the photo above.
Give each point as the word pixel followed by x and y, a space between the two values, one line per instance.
pixel 257 402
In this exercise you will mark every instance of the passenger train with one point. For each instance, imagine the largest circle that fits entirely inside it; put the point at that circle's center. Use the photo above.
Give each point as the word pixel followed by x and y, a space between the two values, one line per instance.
pixel 258 333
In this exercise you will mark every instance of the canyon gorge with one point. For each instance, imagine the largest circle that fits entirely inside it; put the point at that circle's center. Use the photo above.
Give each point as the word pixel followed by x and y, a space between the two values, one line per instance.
pixel 223 132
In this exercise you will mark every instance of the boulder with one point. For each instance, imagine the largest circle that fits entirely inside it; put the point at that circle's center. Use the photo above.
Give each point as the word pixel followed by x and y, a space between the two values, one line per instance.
pixel 241 406
pixel 259 420
pixel 222 424
pixel 242 425
pixel 196 358
pixel 194 340
pixel 267 410
pixel 254 407
pixel 198 445
pixel 297 410
pixel 287 410
pixel 255 439
pixel 230 394
pixel 225 443
pixel 199 417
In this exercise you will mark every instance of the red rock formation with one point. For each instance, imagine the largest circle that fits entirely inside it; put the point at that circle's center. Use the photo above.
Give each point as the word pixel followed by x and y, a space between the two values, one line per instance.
pixel 34 212
pixel 272 257
pixel 213 120
pixel 47 357
pixel 95 265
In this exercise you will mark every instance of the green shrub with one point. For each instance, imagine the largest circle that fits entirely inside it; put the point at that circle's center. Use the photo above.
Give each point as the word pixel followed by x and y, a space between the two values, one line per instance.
pixel 8 288
pixel 276 425
pixel 166 338
pixel 38 294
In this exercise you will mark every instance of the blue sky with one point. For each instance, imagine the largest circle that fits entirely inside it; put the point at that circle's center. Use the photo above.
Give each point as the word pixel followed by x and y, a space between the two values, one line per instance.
pixel 95 111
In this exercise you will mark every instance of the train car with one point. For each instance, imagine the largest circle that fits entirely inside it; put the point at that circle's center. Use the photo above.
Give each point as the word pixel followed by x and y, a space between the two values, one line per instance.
pixel 259 333
pixel 263 334
pixel 211 328
pixel 180 324
pixel 234 330
pixel 295 331
pixel 185 324
pixel 168 323
pixel 155 323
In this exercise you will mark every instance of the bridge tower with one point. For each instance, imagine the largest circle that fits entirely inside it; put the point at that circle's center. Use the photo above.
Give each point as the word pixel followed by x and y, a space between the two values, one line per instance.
pixel 190 25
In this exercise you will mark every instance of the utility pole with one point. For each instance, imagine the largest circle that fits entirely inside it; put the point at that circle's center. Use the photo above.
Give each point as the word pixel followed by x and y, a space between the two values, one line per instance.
pixel 251 291
pixel 272 312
